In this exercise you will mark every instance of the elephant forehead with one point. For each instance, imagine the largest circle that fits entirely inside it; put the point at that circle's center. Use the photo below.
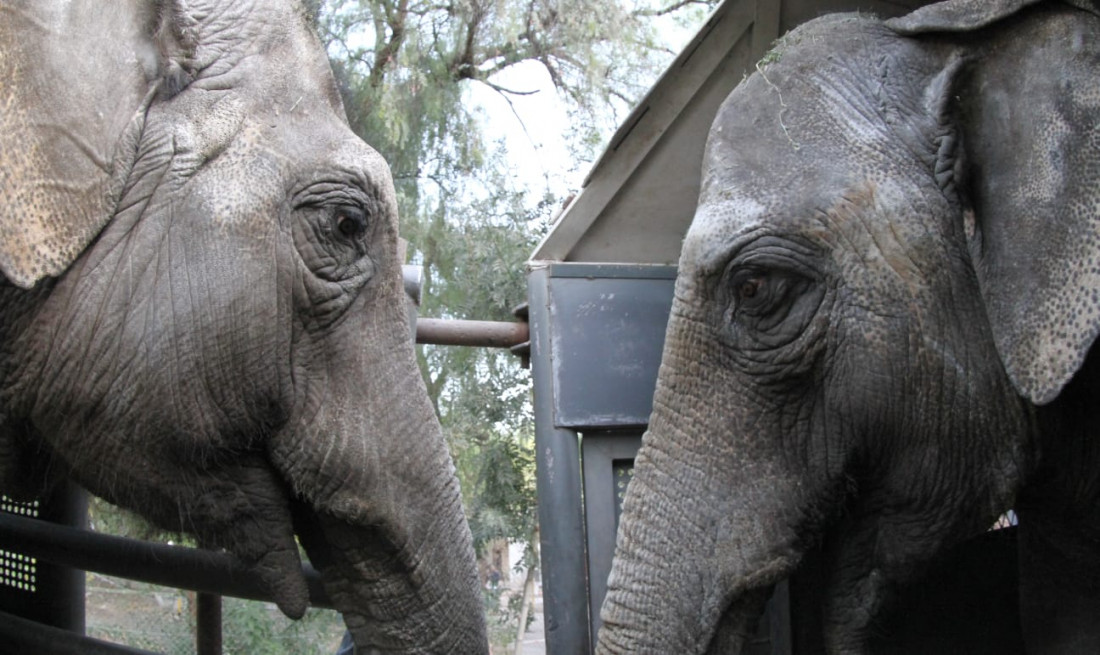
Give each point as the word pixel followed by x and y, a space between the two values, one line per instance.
pixel 744 195
pixel 873 224
pixel 353 155
pixel 718 223
pixel 260 168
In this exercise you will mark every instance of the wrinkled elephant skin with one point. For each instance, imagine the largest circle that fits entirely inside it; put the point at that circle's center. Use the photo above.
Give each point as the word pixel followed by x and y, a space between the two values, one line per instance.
pixel 880 339
pixel 203 316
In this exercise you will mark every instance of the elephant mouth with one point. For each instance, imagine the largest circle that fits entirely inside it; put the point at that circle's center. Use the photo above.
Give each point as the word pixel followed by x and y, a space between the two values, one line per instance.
pixel 338 550
pixel 376 584
pixel 334 547
pixel 258 529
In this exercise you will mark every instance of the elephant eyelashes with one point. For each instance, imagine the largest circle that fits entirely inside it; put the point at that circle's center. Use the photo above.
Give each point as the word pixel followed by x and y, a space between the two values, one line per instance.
pixel 351 222
pixel 749 289
pixel 771 301
pixel 756 292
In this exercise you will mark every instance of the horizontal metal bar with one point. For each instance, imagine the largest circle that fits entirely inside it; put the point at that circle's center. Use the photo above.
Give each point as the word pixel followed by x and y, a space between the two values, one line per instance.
pixel 612 271
pixel 21 635
pixel 169 566
pixel 482 334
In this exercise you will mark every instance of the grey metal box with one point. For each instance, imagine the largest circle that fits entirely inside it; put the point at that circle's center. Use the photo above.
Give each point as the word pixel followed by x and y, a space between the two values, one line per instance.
pixel 606 338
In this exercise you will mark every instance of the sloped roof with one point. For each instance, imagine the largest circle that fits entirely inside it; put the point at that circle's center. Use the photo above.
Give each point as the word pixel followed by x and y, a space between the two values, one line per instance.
pixel 639 198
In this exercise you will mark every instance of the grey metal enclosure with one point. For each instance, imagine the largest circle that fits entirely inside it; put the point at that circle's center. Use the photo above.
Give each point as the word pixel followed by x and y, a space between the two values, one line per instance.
pixel 600 288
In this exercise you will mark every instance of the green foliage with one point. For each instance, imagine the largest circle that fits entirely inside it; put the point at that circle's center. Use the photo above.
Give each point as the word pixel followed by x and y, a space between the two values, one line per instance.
pixel 405 68
pixel 404 62
pixel 163 620
pixel 502 617
pixel 259 628
pixel 111 519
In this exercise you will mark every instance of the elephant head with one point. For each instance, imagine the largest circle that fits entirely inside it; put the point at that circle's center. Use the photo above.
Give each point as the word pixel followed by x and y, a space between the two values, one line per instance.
pixel 203 316
pixel 890 271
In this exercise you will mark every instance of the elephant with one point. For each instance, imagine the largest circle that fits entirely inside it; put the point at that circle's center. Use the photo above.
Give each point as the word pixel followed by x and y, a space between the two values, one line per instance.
pixel 881 336
pixel 203 317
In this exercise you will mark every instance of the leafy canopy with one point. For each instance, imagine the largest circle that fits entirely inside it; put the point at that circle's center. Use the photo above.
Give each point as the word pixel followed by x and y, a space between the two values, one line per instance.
pixel 408 70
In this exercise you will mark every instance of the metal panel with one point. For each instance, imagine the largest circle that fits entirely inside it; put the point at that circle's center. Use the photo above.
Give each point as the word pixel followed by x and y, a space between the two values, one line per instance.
pixel 606 336
pixel 45 592
pixel 608 468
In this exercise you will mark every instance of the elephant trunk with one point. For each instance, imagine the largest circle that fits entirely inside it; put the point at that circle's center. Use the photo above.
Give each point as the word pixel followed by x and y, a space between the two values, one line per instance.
pixel 708 525
pixel 379 510
pixel 693 586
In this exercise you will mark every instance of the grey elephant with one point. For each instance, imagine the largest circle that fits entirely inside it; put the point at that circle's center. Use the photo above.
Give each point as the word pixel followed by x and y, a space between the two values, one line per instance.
pixel 882 333
pixel 202 315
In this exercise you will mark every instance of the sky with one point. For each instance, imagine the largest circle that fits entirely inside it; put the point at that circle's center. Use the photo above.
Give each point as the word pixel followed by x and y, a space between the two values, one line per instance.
pixel 532 126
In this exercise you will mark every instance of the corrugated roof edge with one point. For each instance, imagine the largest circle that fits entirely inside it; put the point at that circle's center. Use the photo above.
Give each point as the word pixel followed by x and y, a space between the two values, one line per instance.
pixel 666 79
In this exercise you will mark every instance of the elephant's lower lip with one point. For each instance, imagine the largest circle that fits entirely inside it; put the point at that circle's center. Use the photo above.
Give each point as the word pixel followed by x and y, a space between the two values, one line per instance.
pixel 280 574
pixel 287 585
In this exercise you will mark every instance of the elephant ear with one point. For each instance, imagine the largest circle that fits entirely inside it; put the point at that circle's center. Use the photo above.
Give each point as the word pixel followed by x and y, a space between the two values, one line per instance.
pixel 74 78
pixel 1028 109
pixel 968 15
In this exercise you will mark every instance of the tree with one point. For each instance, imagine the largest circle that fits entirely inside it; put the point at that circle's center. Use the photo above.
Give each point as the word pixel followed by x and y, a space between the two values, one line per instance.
pixel 406 69
pixel 407 63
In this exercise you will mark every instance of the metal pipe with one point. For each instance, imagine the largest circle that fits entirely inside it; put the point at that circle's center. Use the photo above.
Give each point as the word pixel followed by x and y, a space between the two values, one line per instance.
pixel 20 635
pixel 481 334
pixel 413 277
pixel 208 624
pixel 169 566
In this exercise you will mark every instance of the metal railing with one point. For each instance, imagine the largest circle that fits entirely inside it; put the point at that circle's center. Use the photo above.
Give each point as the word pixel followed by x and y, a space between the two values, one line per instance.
pixel 210 574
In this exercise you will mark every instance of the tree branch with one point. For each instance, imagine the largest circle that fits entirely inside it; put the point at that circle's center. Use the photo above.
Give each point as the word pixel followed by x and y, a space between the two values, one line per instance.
pixel 384 57
pixel 505 91
pixel 463 65
pixel 671 9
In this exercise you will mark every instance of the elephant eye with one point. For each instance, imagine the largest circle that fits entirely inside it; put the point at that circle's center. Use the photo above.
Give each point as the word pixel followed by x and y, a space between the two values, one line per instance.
pixel 767 296
pixel 764 298
pixel 351 222
pixel 748 289
pixel 753 290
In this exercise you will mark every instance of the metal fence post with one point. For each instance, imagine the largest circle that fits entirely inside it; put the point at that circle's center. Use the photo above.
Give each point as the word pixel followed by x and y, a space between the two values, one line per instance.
pixel 208 624
pixel 561 516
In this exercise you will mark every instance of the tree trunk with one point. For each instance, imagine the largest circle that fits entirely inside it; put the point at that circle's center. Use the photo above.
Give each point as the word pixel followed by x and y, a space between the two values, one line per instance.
pixel 528 595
